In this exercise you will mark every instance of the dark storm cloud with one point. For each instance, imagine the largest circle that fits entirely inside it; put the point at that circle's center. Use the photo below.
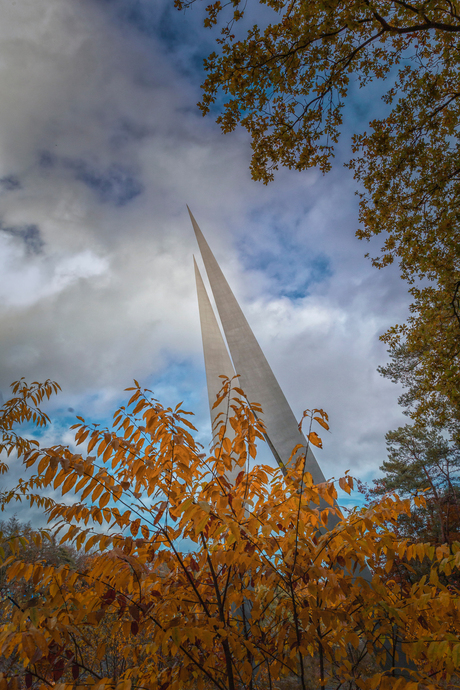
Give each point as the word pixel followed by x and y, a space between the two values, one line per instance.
pixel 29 234
pixel 115 185
pixel 10 183
pixel 128 131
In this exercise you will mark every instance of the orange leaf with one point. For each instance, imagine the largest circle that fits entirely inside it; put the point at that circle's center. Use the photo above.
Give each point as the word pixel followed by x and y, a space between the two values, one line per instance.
pixel 324 424
pixel 315 439
pixel 135 526
pixel 105 498
pixel 344 485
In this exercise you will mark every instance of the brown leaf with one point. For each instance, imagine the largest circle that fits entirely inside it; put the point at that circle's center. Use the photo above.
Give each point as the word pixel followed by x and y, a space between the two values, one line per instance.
pixel 344 485
pixel 134 611
pixel 239 477
pixel 58 669
pixel 173 622
pixel 134 527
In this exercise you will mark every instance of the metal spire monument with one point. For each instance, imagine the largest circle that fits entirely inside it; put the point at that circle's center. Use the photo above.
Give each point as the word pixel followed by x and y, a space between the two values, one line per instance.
pixel 255 375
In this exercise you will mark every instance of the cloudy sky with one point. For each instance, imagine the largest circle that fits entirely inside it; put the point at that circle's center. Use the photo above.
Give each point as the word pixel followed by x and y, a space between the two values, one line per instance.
pixel 102 147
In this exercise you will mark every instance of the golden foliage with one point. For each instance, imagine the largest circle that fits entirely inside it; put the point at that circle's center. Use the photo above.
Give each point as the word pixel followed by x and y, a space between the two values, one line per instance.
pixel 261 588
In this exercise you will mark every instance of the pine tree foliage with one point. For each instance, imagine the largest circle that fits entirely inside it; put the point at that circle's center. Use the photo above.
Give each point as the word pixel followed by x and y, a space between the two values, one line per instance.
pixel 421 459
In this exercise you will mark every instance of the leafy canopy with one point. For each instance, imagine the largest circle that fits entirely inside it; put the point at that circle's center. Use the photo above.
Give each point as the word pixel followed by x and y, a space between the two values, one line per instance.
pixel 287 85
pixel 265 591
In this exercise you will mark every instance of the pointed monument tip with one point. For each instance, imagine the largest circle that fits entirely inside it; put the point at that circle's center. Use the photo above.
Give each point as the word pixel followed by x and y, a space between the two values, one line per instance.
pixel 196 228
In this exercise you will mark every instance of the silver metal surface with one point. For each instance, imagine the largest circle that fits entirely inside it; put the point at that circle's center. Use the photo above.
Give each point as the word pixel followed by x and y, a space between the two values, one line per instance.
pixel 217 362
pixel 255 375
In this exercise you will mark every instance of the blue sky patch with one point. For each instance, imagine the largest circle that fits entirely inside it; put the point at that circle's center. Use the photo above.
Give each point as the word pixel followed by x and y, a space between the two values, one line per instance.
pixel 181 34
pixel 292 267
pixel 148 18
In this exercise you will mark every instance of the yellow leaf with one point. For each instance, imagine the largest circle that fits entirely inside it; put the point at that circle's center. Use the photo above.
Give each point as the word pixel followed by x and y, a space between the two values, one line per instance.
pixel 227 445
pixel 97 492
pixel 234 530
pixel 375 680
pixel 33 615
pixel 294 451
pixel 93 440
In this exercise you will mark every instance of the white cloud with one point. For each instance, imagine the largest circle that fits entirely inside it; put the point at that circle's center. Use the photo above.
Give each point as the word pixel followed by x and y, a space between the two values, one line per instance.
pixel 24 282
pixel 101 131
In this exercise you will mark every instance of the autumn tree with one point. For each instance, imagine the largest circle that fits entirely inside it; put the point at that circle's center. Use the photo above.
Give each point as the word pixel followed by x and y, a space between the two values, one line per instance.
pixel 49 551
pixel 287 83
pixel 20 412
pixel 21 409
pixel 264 590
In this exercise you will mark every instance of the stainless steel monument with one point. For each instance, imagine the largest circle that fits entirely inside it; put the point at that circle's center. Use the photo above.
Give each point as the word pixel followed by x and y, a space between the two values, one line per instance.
pixel 255 375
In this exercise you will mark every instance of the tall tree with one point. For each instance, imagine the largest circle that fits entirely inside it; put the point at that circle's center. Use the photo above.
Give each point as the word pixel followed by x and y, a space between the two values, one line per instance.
pixel 287 85
pixel 422 459
pixel 406 367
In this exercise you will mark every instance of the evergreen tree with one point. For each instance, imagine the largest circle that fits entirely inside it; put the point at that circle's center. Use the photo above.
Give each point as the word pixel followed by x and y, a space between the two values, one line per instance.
pixel 423 459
